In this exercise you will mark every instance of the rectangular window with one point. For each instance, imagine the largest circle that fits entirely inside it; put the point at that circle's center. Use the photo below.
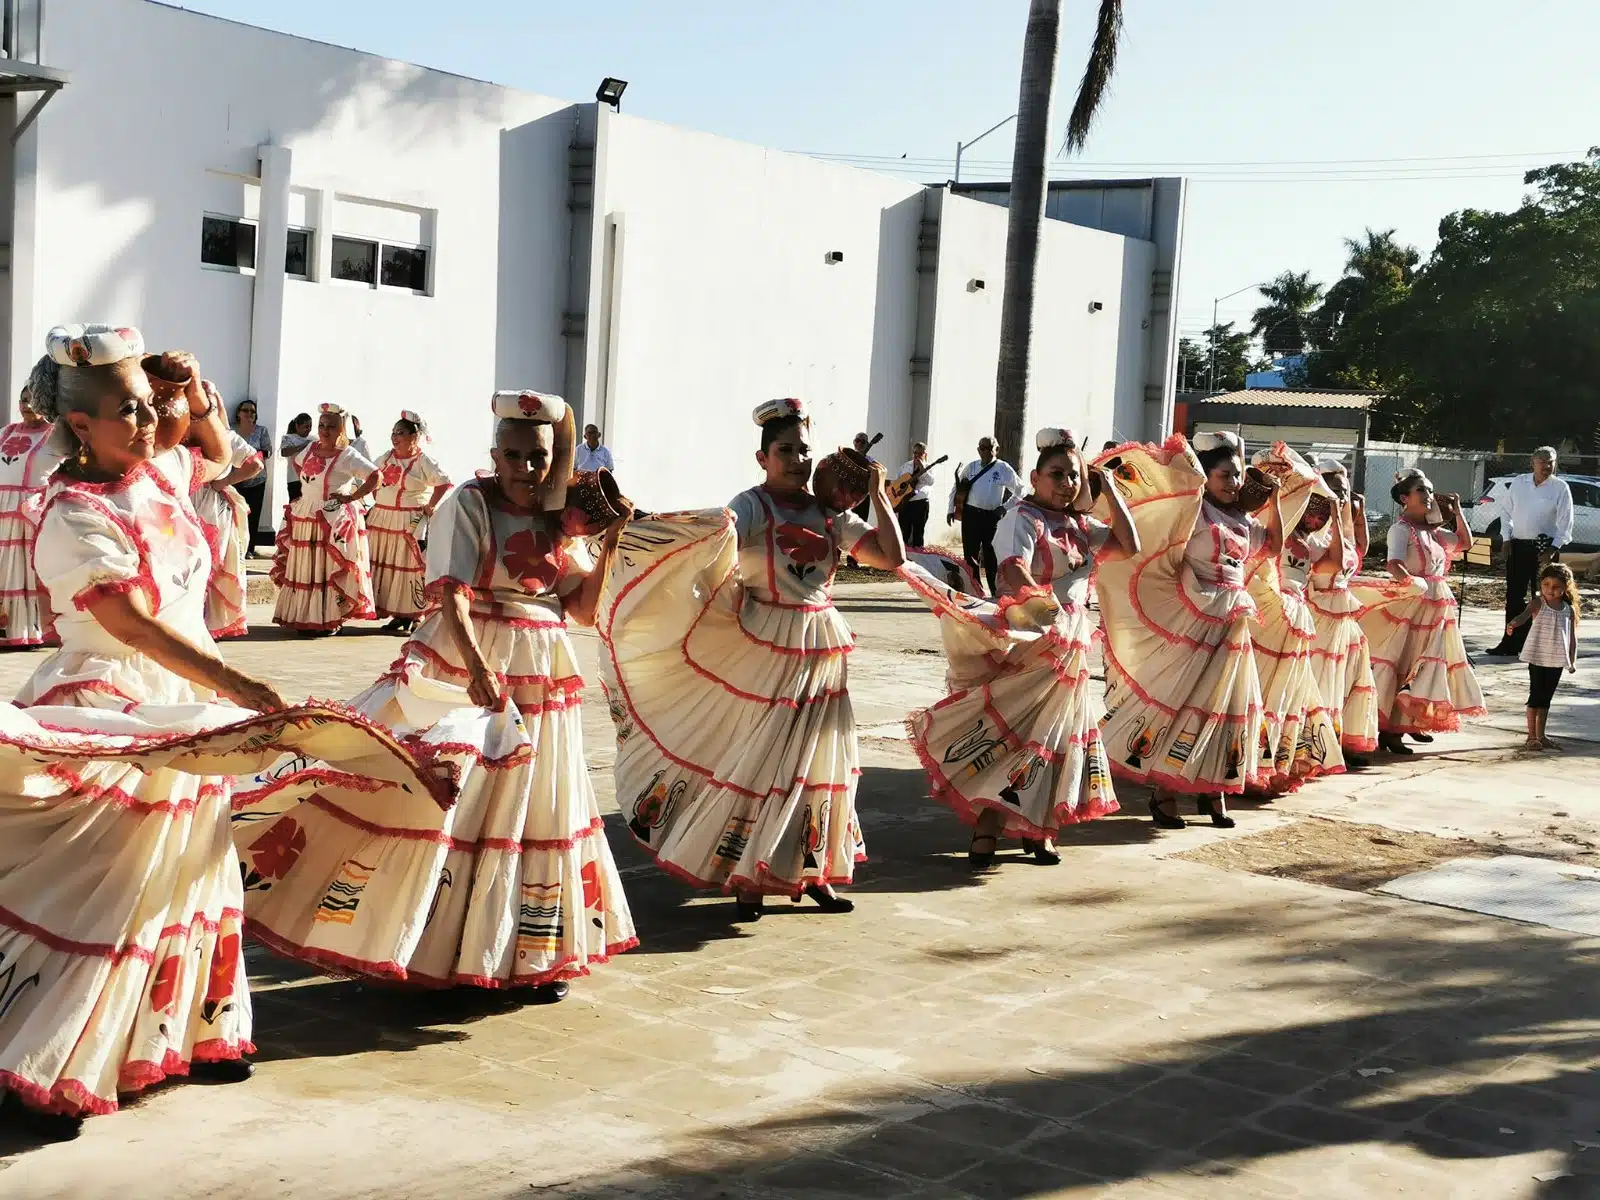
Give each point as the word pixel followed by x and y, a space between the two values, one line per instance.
pixel 405 267
pixel 228 243
pixel 297 254
pixel 355 260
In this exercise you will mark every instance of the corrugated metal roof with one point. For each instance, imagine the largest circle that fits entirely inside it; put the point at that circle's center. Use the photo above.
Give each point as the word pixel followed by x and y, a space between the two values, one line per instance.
pixel 1293 398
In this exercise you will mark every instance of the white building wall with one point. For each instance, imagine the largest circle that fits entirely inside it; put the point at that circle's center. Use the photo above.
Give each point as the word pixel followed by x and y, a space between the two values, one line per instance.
pixel 162 122
pixel 1088 367
pixel 723 298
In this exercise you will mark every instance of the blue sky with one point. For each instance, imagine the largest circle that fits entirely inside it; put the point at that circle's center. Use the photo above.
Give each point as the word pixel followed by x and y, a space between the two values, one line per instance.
pixel 1300 123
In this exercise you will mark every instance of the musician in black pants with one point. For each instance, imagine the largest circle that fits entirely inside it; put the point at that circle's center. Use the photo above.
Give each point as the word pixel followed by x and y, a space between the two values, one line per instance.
pixel 914 510
pixel 987 484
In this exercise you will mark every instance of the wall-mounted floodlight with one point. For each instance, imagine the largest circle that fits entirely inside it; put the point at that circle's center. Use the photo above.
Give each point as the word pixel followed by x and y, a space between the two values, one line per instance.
pixel 610 92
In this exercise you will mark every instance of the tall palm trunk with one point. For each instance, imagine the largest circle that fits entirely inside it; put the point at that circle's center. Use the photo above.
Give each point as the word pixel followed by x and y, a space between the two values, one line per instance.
pixel 1029 164
pixel 1029 174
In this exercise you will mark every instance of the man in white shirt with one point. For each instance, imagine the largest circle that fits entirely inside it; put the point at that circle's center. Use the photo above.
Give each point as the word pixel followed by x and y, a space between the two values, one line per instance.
pixel 357 442
pixel 592 455
pixel 988 484
pixel 914 509
pixel 1538 522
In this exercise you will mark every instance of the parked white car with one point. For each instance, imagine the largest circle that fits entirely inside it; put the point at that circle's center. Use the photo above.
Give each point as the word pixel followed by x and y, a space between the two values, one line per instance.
pixel 1487 516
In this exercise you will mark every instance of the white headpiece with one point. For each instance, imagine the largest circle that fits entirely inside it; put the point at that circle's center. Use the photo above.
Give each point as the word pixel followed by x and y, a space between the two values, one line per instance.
pixel 529 406
pixel 1327 464
pixel 1049 439
pixel 1219 440
pixel 777 410
pixel 416 419
pixel 331 409
pixel 93 345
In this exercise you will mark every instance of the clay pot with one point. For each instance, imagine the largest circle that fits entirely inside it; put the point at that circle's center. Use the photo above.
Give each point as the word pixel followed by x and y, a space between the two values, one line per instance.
pixel 594 501
pixel 842 479
pixel 1256 490
pixel 169 401
pixel 1319 508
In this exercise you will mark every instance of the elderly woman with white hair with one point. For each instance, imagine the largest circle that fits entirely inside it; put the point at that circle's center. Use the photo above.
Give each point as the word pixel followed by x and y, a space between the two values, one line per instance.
pixel 1424 680
pixel 121 931
pixel 1015 749
pixel 1323 554
pixel 513 885
pixel 1183 696
pixel 323 567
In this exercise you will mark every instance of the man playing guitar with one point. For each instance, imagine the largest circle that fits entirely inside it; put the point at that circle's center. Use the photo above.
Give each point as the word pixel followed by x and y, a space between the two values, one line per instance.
pixel 910 495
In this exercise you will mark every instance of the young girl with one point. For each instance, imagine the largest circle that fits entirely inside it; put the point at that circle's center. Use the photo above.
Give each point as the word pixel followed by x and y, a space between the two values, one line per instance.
pixel 737 759
pixel 408 489
pixel 1552 644
pixel 1015 747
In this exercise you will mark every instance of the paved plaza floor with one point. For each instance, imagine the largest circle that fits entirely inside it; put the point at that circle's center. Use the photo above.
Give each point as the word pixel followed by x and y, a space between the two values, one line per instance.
pixel 1193 1013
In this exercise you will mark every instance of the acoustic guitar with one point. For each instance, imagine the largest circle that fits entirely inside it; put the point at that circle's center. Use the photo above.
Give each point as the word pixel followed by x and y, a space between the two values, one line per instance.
pixel 900 490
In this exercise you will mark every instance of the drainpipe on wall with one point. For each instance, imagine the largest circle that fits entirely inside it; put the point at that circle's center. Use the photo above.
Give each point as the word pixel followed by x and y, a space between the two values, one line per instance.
pixel 266 316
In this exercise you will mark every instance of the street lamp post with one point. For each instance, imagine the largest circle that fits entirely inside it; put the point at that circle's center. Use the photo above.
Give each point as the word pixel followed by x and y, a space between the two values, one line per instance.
pixel 964 146
pixel 1211 334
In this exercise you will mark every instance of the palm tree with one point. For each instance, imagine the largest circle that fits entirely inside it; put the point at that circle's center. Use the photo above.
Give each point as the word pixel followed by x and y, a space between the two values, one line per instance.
pixel 1286 323
pixel 1029 168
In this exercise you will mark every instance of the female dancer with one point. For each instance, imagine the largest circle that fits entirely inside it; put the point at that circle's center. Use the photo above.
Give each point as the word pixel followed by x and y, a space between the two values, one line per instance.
pixel 26 460
pixel 408 490
pixel 1424 681
pixel 1299 739
pixel 1182 695
pixel 1323 553
pixel 120 923
pixel 1015 747
pixel 737 760
pixel 322 568
pixel 513 885
pixel 225 516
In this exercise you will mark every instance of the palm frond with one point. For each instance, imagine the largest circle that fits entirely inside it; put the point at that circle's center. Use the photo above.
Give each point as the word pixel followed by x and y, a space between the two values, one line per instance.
pixel 1096 75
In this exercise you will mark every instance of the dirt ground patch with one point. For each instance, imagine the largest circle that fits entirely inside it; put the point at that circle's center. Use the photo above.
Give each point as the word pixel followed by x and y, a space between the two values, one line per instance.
pixel 1356 858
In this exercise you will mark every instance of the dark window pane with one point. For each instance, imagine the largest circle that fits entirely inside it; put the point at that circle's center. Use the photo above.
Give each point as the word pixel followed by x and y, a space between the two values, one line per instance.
pixel 297 255
pixel 355 260
pixel 225 243
pixel 405 267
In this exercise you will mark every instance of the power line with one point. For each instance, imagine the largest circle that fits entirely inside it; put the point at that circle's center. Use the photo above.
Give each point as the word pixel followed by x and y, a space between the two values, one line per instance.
pixel 1283 162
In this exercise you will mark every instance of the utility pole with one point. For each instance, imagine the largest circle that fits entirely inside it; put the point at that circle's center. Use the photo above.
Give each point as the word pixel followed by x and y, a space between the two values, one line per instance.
pixel 964 146
pixel 1211 334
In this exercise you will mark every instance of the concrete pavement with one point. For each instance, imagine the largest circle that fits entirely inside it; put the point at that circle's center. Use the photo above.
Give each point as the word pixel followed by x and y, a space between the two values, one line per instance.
pixel 1130 1024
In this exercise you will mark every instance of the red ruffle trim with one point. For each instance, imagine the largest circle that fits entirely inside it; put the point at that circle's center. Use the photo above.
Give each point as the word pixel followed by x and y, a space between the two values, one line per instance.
pixel 72 1097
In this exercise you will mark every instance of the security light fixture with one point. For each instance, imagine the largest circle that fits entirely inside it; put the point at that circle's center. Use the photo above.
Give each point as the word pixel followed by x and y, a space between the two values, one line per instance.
pixel 1095 306
pixel 833 257
pixel 610 92
pixel 975 285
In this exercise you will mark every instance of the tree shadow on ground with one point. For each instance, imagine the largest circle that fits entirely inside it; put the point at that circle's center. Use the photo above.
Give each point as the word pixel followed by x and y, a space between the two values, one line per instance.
pixel 1475 1043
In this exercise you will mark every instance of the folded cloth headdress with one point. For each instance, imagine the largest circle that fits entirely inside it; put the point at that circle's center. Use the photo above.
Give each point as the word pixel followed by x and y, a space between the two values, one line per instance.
pixel 1327 464
pixel 1049 439
pixel 93 345
pixel 1217 441
pixel 330 409
pixel 529 406
pixel 777 410
pixel 416 419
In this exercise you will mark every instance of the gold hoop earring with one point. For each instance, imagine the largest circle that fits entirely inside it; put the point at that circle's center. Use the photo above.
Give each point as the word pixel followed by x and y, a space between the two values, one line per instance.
pixel 83 456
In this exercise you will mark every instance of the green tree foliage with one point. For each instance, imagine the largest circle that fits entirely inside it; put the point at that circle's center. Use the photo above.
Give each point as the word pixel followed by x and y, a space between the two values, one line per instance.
pixel 1498 335
pixel 1233 361
pixel 1378 273
pixel 1286 323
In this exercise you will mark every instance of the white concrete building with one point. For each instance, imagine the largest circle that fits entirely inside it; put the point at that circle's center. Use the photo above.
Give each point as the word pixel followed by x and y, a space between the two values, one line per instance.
pixel 316 223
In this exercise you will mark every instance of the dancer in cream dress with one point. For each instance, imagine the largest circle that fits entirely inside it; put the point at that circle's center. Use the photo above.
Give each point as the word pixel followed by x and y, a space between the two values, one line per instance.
pixel 26 460
pixel 1424 681
pixel 513 885
pixel 1183 697
pixel 225 516
pixel 323 567
pixel 1299 736
pixel 1015 747
pixel 409 487
pixel 121 955
pixel 737 759
pixel 1323 554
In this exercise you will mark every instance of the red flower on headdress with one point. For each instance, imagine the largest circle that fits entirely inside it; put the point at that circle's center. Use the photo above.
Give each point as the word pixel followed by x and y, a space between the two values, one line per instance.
pixel 278 849
pixel 78 350
pixel 530 404
pixel 533 560
pixel 802 545
pixel 391 474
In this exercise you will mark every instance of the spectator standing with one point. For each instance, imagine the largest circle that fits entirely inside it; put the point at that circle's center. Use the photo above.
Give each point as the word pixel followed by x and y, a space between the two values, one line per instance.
pixel 296 440
pixel 592 456
pixel 862 443
pixel 914 510
pixel 254 490
pixel 1538 524
pixel 358 443
pixel 988 483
